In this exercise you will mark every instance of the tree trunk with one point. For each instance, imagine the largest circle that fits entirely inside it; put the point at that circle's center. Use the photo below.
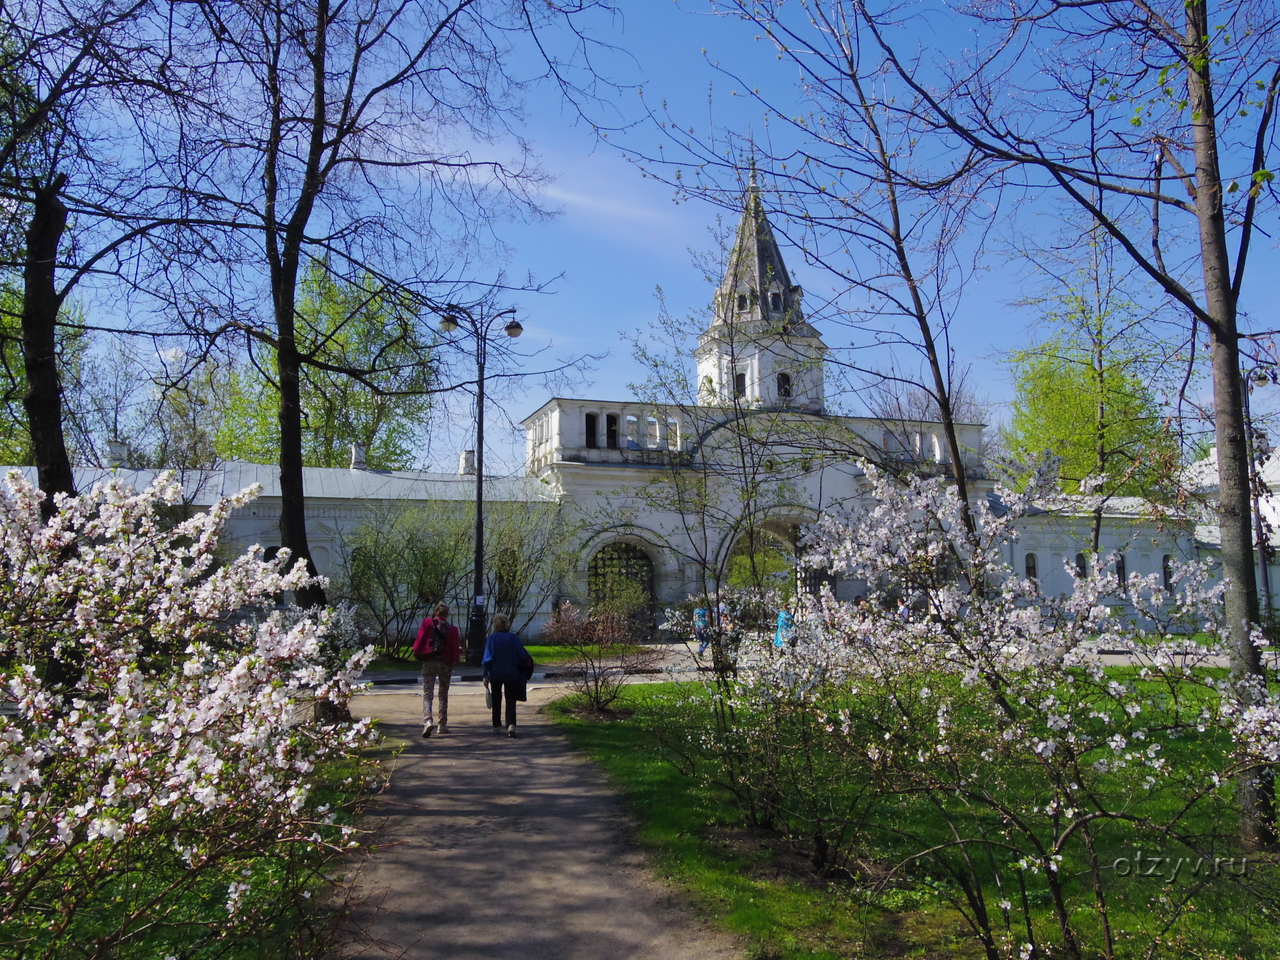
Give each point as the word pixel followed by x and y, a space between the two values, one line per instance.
pixel 1099 436
pixel 284 253
pixel 1255 792
pixel 40 303
pixel 293 507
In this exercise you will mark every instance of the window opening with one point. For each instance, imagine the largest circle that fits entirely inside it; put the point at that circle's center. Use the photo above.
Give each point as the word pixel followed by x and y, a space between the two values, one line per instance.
pixel 1082 568
pixel 775 301
pixel 611 431
pixel 593 427
pixel 739 385
pixel 633 442
pixel 1122 573
pixel 1166 571
pixel 1031 567
pixel 742 301
pixel 651 433
pixel 784 386
pixel 673 433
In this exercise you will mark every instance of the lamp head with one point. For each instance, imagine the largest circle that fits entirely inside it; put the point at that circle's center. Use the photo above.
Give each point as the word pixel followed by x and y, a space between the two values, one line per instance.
pixel 513 329
pixel 448 323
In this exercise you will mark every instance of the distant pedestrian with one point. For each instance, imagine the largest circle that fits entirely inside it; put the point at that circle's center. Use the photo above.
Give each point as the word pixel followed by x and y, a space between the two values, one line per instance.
pixel 701 633
pixel 506 668
pixel 786 629
pixel 439 647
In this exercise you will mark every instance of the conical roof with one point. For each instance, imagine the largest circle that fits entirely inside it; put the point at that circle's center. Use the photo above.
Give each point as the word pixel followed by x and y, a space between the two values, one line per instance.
pixel 756 285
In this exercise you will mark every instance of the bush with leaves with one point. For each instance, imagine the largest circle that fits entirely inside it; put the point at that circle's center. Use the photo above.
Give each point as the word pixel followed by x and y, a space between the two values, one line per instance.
pixel 161 770
pixel 987 740
pixel 606 647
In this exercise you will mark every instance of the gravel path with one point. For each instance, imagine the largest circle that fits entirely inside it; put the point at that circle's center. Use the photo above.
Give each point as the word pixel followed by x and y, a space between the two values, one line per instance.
pixel 498 849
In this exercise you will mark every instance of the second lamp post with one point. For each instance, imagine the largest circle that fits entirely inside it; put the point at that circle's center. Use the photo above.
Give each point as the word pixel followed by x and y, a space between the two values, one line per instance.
pixel 480 329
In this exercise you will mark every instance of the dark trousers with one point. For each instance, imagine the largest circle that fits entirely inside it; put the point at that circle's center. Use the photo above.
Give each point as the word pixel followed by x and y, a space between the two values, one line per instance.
pixel 504 690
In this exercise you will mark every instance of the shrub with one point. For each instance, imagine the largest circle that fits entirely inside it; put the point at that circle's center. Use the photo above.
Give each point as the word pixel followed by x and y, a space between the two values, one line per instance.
pixel 605 648
pixel 159 765
pixel 985 741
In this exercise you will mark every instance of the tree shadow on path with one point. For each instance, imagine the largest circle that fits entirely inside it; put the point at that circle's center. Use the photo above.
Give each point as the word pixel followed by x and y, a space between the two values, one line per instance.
pixel 497 849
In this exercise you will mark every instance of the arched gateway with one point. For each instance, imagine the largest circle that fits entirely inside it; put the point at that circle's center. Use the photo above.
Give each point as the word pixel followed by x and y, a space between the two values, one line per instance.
pixel 620 578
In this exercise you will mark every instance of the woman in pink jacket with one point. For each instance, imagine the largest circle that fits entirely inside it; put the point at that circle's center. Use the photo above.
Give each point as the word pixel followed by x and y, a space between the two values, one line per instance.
pixel 439 647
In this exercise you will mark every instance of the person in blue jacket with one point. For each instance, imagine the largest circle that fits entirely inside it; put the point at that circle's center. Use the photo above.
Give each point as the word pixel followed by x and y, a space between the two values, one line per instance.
pixel 786 629
pixel 506 668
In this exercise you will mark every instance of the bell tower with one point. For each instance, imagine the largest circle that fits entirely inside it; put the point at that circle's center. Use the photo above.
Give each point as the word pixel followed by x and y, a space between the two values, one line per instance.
pixel 759 349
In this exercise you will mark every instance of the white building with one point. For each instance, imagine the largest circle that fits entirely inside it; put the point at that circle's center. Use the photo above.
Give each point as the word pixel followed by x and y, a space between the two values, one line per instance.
pixel 760 422
pixel 668 490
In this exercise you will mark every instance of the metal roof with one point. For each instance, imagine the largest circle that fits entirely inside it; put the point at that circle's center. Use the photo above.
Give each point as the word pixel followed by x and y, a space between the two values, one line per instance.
pixel 328 483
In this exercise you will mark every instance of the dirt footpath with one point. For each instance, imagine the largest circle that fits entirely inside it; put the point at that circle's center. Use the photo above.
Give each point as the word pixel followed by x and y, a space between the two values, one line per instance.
pixel 498 849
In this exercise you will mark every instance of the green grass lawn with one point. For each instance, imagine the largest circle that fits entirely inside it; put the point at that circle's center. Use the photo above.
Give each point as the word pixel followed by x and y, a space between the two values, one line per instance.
pixel 700 843
pixel 758 887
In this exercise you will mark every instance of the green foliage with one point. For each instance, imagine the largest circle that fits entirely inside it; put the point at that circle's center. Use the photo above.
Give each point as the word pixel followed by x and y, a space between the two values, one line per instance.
pixel 1090 392
pixel 15 440
pixel 1098 415
pixel 761 563
pixel 406 559
pixel 352 326
pixel 250 427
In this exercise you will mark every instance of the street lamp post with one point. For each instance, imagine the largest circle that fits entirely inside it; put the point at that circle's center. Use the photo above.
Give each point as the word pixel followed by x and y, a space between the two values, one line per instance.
pixel 480 329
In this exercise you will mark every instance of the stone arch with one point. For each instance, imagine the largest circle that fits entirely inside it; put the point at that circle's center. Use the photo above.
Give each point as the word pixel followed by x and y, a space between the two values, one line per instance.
pixel 778 535
pixel 782 522
pixel 653 544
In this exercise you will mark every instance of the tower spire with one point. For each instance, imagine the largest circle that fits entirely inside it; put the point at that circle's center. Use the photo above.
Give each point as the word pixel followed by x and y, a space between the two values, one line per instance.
pixel 759 349
pixel 756 285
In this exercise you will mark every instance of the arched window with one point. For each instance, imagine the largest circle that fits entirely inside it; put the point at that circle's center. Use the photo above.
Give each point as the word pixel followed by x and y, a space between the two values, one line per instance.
pixel 1122 573
pixel 593 430
pixel 775 301
pixel 611 431
pixel 784 386
pixel 1166 572
pixel 739 386
pixel 1082 567
pixel 1031 567
pixel 742 301
pixel 633 432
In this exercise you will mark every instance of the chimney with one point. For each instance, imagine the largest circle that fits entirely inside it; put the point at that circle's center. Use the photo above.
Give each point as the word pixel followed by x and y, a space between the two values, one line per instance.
pixel 467 464
pixel 117 454
pixel 358 461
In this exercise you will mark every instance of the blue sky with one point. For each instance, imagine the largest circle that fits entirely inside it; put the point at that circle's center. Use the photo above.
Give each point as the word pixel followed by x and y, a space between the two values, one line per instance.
pixel 618 235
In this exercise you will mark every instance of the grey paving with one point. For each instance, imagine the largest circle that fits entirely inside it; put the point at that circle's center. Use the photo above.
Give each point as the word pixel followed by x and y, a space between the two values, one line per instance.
pixel 500 849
